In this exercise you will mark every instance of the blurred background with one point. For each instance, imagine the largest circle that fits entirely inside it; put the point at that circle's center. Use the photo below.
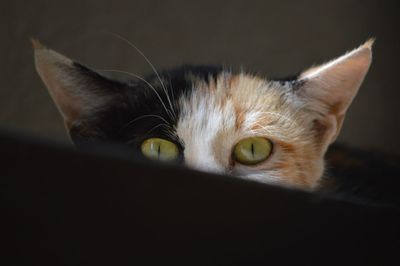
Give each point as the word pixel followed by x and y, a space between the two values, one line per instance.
pixel 272 38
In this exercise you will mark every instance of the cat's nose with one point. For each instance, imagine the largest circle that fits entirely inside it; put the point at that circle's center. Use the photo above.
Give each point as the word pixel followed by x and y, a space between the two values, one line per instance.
pixel 210 168
pixel 205 165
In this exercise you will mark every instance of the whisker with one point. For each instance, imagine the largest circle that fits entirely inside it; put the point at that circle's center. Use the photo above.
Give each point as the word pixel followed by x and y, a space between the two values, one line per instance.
pixel 172 92
pixel 141 117
pixel 148 61
pixel 142 79
pixel 148 132
pixel 157 126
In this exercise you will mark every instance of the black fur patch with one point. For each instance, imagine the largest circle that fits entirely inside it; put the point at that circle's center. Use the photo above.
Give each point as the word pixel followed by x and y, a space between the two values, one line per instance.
pixel 138 113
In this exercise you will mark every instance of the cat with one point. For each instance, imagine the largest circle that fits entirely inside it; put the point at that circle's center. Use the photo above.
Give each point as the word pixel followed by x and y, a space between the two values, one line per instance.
pixel 210 118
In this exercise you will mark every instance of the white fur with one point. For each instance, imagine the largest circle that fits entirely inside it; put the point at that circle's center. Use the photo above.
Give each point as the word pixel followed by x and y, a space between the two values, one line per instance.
pixel 201 120
pixel 209 113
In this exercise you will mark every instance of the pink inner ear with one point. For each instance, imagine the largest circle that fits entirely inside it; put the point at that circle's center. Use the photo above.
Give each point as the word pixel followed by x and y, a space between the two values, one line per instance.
pixel 336 83
pixel 75 92
pixel 328 128
pixel 330 88
pixel 48 64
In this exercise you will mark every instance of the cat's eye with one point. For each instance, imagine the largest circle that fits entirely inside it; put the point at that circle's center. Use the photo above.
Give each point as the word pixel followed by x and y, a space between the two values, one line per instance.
pixel 251 151
pixel 160 149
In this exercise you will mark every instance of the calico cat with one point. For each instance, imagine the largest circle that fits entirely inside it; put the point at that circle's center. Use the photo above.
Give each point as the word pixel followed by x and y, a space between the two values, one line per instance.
pixel 212 119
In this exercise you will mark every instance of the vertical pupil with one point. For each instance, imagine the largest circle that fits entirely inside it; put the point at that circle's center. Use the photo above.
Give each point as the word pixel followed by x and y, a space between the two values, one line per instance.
pixel 252 149
pixel 159 150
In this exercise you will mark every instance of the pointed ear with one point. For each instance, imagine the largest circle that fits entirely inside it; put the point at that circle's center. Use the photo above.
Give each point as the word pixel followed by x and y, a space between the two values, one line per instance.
pixel 80 94
pixel 330 88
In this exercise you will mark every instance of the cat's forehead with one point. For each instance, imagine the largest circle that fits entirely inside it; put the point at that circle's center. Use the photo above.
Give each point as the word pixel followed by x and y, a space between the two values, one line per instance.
pixel 238 104
pixel 242 90
pixel 240 97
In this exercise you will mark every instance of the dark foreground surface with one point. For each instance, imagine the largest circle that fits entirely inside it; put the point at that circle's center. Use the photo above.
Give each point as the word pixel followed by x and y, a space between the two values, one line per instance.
pixel 64 207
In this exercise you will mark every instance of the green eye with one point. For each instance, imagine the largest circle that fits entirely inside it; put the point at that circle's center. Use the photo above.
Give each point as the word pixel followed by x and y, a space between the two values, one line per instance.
pixel 160 149
pixel 253 150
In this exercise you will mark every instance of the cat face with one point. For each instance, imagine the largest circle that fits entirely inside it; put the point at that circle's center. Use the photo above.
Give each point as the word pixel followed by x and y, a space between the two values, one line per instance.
pixel 211 119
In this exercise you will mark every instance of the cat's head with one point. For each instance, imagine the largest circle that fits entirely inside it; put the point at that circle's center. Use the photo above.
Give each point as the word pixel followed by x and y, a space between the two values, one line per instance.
pixel 212 119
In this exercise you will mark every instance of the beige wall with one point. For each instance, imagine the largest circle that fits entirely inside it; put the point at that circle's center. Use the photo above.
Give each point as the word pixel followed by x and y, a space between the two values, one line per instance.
pixel 273 38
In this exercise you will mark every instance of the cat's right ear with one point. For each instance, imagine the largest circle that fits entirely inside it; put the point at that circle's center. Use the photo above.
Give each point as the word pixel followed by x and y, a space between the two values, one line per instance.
pixel 329 89
pixel 80 94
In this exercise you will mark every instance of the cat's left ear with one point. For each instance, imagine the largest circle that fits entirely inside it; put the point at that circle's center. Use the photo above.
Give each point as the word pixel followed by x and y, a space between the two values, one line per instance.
pixel 82 96
pixel 329 89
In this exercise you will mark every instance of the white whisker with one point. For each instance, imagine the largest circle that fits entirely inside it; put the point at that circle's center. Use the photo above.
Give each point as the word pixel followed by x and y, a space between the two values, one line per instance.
pixel 172 93
pixel 144 116
pixel 150 64
pixel 157 126
pixel 142 79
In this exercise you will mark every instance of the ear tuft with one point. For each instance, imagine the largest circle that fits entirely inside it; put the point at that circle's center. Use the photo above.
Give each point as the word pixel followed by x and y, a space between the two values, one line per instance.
pixel 369 43
pixel 36 44
pixel 45 58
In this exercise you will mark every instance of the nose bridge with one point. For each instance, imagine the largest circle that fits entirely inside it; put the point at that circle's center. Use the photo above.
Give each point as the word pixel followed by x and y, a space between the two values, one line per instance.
pixel 198 129
pixel 201 157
